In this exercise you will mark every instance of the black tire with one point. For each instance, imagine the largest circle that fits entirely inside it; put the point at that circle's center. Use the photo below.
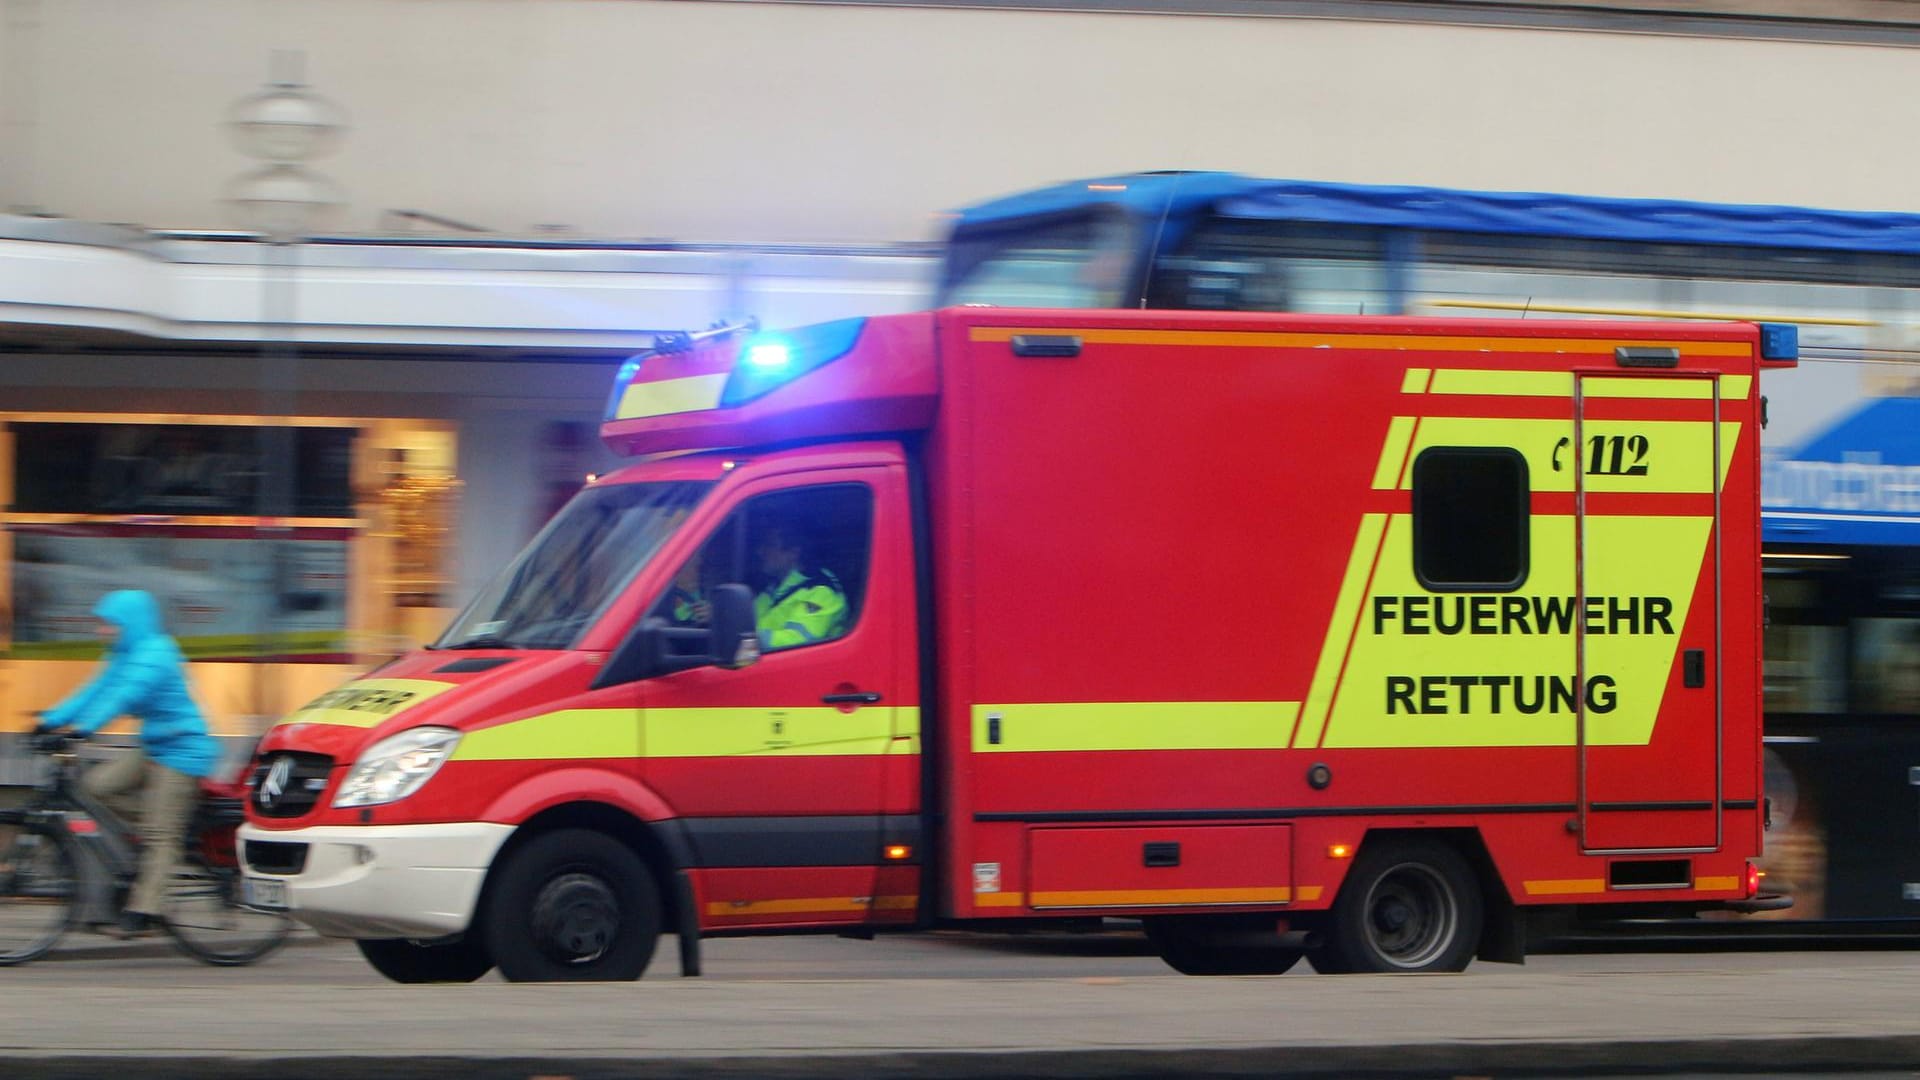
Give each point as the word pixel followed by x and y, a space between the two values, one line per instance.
pixel 207 921
pixel 572 906
pixel 1406 906
pixel 406 961
pixel 39 890
pixel 1190 945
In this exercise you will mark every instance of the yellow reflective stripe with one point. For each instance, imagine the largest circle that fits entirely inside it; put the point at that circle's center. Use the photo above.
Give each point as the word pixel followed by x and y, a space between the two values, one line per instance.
pixel 564 735
pixel 812 905
pixel 1386 475
pixel 1333 647
pixel 1564 887
pixel 1162 897
pixel 367 703
pixel 691 394
pixel 1136 725
pixel 1415 381
pixel 1000 899
pixel 569 734
pixel 1494 383
pixel 1716 884
pixel 1386 342
pixel 1485 383
pixel 728 732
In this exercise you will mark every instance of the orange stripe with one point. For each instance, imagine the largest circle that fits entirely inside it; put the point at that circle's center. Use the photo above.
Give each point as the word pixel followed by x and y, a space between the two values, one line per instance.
pixel 1159 897
pixel 1397 342
pixel 1000 899
pixel 811 905
pixel 1565 887
pixel 1716 884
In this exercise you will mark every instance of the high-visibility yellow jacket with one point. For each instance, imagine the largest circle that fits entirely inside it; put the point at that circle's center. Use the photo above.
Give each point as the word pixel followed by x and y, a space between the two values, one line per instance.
pixel 800 610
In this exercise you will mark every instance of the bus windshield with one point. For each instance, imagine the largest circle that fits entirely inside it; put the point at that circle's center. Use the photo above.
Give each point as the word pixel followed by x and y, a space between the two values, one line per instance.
pixel 585 556
pixel 1084 261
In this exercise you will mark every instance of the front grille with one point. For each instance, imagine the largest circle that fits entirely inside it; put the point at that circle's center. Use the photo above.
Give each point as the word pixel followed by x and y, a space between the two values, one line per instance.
pixel 287 784
pixel 276 856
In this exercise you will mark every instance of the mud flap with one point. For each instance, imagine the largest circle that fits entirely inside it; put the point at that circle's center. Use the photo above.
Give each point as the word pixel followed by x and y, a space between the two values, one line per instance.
pixel 686 924
pixel 1503 938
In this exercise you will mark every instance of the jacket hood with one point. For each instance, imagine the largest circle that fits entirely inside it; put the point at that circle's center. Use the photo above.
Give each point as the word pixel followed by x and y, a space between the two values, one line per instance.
pixel 135 612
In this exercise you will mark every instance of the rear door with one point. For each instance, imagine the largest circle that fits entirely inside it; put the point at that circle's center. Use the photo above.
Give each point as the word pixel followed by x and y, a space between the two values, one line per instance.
pixel 1651 452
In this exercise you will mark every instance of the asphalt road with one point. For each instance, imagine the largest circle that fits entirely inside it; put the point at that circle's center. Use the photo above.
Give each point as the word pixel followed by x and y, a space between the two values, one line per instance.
pixel 949 1005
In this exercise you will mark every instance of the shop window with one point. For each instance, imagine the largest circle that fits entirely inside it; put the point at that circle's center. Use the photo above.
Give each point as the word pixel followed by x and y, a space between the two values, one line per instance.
pixel 1470 519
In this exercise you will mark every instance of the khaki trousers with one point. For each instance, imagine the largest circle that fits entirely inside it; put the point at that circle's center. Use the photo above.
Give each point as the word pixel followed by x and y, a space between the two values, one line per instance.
pixel 167 797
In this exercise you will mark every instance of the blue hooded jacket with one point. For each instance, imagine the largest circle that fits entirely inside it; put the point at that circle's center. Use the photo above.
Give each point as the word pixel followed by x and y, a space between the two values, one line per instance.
pixel 144 677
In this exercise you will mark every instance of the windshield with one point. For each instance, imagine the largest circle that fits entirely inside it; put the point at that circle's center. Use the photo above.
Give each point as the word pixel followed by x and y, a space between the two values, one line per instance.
pixel 576 566
pixel 1086 262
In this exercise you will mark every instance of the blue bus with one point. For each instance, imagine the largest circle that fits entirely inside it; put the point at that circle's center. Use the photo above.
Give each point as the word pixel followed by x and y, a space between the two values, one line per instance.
pixel 1841 493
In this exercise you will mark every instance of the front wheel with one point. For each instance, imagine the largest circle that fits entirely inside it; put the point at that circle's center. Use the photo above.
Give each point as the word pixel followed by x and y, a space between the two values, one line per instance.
pixel 572 906
pixel 406 961
pixel 1406 906
pixel 39 888
pixel 208 922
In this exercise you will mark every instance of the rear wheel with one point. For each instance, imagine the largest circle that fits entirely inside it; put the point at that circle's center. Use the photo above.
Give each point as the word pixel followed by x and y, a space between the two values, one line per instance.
pixel 1197 945
pixel 39 889
pixel 406 961
pixel 572 906
pixel 1406 906
pixel 204 915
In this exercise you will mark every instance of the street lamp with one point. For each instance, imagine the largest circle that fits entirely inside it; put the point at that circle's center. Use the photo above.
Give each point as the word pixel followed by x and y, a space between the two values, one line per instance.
pixel 282 202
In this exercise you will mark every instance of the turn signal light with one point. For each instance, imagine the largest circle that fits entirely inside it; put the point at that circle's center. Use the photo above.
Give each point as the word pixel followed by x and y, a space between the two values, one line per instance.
pixel 1339 851
pixel 899 851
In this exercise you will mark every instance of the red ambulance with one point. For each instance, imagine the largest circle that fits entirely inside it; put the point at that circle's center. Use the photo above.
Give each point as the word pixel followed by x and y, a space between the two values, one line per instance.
pixel 1358 639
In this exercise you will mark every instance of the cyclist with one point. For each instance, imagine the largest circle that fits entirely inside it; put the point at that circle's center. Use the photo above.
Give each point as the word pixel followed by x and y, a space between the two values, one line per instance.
pixel 144 677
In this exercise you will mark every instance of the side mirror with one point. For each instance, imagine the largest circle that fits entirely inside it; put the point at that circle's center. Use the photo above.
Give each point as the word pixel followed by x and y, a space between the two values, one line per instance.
pixel 736 638
pixel 657 647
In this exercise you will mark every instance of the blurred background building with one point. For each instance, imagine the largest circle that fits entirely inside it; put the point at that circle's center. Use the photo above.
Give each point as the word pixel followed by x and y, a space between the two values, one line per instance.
pixel 314 450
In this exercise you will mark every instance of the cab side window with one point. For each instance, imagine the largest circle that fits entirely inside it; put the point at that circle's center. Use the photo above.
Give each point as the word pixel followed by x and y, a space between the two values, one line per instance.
pixel 803 552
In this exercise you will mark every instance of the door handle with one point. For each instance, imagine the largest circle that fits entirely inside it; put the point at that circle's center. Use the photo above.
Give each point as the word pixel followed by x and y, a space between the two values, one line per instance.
pixel 858 697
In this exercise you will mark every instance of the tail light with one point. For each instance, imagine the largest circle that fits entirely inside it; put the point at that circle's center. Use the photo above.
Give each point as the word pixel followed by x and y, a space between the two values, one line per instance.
pixel 1753 880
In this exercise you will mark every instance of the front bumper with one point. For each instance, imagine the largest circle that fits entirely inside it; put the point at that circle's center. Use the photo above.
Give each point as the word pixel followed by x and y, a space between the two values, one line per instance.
pixel 377 881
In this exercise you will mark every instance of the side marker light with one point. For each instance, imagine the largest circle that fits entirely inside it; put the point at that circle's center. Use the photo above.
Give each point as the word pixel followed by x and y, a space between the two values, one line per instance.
pixel 1339 851
pixel 898 851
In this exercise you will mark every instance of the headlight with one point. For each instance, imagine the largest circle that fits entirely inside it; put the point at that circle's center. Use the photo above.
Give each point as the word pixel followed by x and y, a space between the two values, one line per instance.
pixel 395 767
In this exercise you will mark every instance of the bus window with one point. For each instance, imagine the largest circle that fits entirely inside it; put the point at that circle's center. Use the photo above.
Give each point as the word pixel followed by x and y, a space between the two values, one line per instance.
pixel 1805 641
pixel 1258 265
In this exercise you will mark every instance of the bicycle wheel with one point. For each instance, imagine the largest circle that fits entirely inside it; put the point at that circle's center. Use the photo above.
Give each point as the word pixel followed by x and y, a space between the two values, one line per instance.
pixel 207 921
pixel 39 889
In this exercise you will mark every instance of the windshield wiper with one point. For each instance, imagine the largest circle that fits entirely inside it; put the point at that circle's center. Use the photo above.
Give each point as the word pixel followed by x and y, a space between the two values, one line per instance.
pixel 481 641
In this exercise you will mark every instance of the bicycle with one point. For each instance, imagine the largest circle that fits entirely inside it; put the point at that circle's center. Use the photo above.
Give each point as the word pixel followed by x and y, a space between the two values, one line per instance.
pixel 66 858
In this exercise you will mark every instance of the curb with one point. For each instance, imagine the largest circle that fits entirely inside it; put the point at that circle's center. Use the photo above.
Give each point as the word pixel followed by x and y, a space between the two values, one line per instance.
pixel 1721 1056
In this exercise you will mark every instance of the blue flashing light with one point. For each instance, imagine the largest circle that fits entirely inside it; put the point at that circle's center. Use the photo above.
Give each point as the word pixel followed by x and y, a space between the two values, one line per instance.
pixel 769 361
pixel 769 354
pixel 1779 341
pixel 621 381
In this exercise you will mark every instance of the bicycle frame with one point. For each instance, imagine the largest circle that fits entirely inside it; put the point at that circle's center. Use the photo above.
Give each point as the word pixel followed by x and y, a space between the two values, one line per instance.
pixel 104 842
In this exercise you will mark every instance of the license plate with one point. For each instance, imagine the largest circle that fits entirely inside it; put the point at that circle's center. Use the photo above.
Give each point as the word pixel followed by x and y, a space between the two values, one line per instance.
pixel 266 893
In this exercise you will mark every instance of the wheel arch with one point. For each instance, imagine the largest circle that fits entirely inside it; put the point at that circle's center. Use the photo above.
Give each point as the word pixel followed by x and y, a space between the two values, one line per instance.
pixel 1503 929
pixel 660 845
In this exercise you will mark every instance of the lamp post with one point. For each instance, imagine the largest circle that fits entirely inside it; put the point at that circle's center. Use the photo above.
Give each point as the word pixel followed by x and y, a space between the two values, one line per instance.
pixel 282 126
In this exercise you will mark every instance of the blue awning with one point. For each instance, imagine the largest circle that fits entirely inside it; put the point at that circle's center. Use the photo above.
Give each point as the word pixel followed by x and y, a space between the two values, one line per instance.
pixel 1495 212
